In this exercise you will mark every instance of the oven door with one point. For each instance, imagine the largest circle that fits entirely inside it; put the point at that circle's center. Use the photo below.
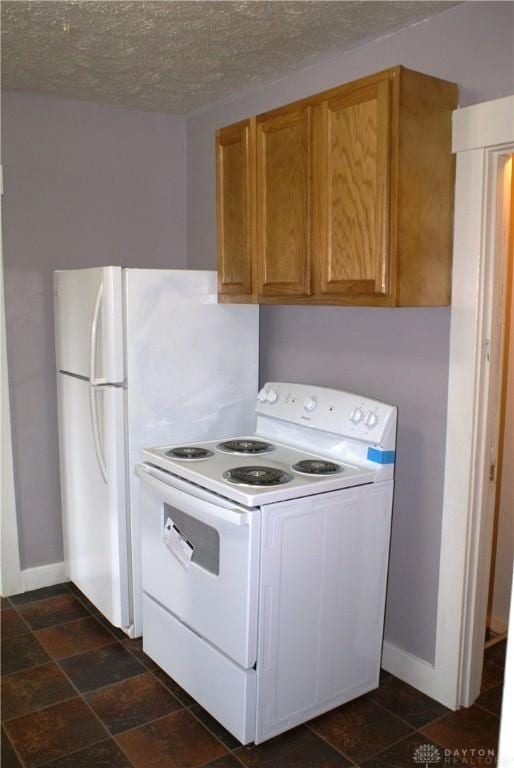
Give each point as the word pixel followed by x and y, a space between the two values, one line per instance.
pixel 200 561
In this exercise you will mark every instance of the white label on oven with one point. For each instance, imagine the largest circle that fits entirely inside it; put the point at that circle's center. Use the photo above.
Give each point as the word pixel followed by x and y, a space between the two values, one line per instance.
pixel 179 547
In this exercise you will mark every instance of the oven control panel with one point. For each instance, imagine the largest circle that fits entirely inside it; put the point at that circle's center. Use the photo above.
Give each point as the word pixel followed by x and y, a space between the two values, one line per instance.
pixel 330 410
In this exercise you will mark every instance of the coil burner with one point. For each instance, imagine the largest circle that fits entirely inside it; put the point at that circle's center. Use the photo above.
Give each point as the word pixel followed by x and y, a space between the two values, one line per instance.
pixel 245 446
pixel 255 476
pixel 317 467
pixel 190 452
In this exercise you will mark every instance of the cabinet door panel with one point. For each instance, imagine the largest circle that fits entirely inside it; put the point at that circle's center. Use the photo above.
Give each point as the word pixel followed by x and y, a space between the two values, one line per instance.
pixel 234 191
pixel 353 191
pixel 283 202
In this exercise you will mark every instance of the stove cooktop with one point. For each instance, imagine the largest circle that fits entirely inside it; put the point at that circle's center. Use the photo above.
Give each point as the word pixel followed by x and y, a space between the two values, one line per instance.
pixel 255 471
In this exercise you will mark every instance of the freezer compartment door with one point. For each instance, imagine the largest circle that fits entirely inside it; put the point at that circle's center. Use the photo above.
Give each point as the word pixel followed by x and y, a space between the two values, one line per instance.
pixel 91 434
pixel 89 323
pixel 322 598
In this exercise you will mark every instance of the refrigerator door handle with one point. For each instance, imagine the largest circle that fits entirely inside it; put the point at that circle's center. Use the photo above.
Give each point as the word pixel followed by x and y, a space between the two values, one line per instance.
pixel 93 338
pixel 96 433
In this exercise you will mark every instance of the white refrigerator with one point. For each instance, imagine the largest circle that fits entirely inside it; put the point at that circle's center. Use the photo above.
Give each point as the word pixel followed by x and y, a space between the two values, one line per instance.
pixel 144 358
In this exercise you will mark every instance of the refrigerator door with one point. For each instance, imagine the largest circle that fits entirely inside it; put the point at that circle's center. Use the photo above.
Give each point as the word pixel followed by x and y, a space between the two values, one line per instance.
pixel 192 370
pixel 89 323
pixel 91 436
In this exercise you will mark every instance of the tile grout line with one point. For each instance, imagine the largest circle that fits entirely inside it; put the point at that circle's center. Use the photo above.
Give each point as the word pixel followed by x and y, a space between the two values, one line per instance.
pixel 146 669
pixel 13 747
pixel 133 653
pixel 490 687
pixel 143 725
pixel 108 685
pixel 63 623
pixel 489 711
pixel 28 669
pixel 6 734
pixel 76 752
pixel 37 599
pixel 230 753
pixel 347 757
pixel 168 714
pixel 114 737
pixel 85 602
pixel 161 682
pixel 39 709
pixel 382 707
pixel 58 659
pixel 20 616
pixel 230 750
pixel 81 697
pixel 414 728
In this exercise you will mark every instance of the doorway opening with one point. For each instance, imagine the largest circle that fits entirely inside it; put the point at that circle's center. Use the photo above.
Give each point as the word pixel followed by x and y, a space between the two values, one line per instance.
pixel 502 553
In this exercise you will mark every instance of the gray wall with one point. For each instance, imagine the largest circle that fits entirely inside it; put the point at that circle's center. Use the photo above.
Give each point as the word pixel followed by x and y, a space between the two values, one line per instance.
pixel 85 185
pixel 399 355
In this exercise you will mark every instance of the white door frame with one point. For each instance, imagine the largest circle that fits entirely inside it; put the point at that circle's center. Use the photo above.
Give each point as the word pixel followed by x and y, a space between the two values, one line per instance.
pixel 10 575
pixel 506 745
pixel 483 135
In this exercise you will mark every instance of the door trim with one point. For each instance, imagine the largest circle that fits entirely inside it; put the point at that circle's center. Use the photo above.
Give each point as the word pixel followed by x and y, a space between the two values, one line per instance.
pixel 10 573
pixel 482 136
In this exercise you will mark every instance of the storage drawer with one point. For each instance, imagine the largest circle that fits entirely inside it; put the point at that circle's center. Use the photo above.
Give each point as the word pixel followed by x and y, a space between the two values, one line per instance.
pixel 220 686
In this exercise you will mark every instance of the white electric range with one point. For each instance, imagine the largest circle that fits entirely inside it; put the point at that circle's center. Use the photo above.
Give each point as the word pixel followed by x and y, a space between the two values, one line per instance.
pixel 265 559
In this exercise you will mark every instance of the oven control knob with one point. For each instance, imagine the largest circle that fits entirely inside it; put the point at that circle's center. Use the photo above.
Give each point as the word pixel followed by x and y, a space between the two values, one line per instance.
pixel 272 396
pixel 371 420
pixel 310 404
pixel 356 415
pixel 262 396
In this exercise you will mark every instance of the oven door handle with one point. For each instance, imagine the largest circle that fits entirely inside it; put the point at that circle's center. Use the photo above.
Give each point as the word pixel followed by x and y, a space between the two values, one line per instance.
pixel 191 498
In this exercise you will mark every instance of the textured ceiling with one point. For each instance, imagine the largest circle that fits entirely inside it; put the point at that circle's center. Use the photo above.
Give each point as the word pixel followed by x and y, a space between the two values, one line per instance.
pixel 173 56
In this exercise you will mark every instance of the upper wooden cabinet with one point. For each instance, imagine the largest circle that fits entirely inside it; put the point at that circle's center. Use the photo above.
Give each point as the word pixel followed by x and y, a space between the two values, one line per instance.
pixel 283 203
pixel 342 198
pixel 235 161
pixel 352 192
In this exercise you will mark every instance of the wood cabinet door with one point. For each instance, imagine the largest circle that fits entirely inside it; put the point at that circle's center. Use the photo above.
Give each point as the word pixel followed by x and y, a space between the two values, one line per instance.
pixel 351 199
pixel 235 209
pixel 283 203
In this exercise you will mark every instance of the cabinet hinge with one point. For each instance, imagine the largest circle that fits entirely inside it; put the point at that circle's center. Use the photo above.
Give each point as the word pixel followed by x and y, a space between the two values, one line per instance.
pixel 492 472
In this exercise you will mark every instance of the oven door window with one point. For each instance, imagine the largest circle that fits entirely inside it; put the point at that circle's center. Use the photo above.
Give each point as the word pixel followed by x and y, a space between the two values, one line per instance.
pixel 202 538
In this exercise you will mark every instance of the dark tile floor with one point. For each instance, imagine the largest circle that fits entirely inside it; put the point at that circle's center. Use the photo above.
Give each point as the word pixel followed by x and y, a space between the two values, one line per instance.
pixel 76 693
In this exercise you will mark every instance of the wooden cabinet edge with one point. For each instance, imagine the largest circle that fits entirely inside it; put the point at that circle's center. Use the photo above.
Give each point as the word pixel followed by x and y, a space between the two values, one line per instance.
pixel 425 120
pixel 234 298
pixel 245 290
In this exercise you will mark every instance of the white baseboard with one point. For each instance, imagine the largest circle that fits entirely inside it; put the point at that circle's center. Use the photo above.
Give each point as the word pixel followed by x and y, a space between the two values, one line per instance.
pixel 43 576
pixel 411 669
